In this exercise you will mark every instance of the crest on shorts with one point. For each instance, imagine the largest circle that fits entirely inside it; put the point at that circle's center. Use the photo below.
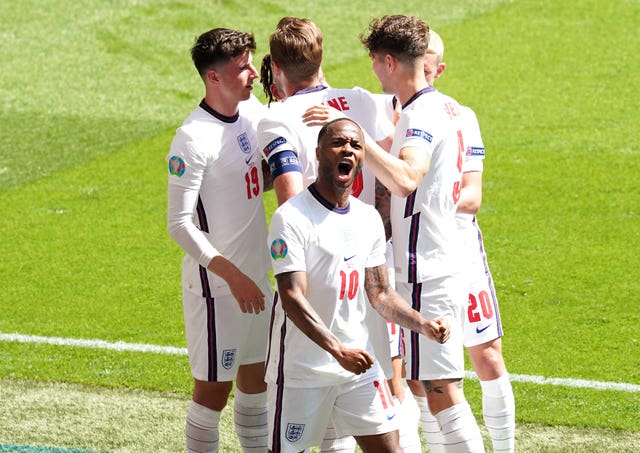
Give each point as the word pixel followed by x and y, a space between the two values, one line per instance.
pixel 228 357
pixel 294 431
pixel 243 141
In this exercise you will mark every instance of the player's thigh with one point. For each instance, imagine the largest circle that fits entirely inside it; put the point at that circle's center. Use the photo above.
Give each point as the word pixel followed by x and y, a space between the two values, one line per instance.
pixel 298 417
pixel 380 443
pixel 487 360
pixel 250 378
pixel 365 406
pixel 213 395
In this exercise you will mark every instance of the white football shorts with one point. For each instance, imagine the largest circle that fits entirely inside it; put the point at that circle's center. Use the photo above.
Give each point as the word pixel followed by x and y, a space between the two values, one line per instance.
pixel 427 359
pixel 298 417
pixel 482 322
pixel 220 337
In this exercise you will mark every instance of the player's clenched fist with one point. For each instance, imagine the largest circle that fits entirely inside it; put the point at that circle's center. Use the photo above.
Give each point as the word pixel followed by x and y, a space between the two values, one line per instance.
pixel 437 330
pixel 355 360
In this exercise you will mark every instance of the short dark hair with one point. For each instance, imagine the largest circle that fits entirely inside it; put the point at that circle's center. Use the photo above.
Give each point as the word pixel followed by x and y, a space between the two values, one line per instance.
pixel 218 46
pixel 325 128
pixel 404 37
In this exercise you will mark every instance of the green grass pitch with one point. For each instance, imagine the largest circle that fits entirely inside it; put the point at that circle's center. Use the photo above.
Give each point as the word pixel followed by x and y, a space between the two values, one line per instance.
pixel 92 93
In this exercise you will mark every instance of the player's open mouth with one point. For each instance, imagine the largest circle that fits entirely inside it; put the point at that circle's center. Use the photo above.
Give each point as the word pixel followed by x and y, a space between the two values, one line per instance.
pixel 345 166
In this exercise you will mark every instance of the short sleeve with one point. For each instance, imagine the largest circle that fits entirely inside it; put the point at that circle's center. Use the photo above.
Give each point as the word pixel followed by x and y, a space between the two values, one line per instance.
pixel 474 147
pixel 274 136
pixel 286 243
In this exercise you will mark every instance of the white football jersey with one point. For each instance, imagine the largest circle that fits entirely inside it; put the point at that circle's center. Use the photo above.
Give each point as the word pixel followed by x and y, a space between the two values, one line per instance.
pixel 333 246
pixel 283 129
pixel 218 156
pixel 425 242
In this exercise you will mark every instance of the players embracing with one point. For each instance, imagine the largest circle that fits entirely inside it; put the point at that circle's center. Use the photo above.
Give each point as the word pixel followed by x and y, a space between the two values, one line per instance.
pixel 324 359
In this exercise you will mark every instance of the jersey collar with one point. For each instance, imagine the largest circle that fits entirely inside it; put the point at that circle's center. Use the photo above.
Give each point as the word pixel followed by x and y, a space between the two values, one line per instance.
pixel 312 89
pixel 425 90
pixel 220 116
pixel 324 202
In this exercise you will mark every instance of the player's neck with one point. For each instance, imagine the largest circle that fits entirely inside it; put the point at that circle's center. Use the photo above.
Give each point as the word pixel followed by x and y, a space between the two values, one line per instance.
pixel 301 87
pixel 221 104
pixel 407 89
pixel 335 196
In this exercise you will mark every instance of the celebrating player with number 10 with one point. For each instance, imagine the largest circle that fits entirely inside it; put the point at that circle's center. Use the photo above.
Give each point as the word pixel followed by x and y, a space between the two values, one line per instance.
pixel 328 250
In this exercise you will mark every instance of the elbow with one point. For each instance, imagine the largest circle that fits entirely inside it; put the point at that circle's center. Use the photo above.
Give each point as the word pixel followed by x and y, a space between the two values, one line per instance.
pixel 474 206
pixel 176 229
pixel 404 188
pixel 405 191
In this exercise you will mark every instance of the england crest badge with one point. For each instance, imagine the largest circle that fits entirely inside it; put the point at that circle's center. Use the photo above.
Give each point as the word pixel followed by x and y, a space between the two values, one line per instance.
pixel 294 432
pixel 244 143
pixel 228 357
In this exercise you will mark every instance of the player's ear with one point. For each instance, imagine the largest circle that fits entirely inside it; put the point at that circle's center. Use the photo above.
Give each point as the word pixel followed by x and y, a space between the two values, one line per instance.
pixel 441 67
pixel 390 62
pixel 212 76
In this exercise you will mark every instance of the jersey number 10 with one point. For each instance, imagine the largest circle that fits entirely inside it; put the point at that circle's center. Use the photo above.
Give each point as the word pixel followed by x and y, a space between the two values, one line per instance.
pixel 353 281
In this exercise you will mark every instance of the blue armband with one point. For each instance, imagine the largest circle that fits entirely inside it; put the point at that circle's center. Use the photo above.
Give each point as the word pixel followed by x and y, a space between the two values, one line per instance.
pixel 283 162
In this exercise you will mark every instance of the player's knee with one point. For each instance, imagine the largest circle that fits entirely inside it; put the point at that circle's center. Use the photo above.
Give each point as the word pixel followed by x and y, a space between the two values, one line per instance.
pixel 213 395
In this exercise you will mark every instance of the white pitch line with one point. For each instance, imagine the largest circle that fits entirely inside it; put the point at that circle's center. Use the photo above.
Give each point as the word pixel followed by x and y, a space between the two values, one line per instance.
pixel 567 382
pixel 171 350
pixel 97 344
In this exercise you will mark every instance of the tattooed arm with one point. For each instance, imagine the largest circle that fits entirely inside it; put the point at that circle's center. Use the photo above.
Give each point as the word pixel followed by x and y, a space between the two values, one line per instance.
pixel 383 206
pixel 395 309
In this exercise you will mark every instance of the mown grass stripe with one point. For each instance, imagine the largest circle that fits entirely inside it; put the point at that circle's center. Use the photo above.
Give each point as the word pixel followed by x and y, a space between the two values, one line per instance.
pixel 156 349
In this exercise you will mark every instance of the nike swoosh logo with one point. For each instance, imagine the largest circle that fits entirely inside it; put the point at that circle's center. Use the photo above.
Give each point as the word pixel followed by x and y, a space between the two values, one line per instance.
pixel 479 330
pixel 347 259
pixel 248 159
pixel 391 417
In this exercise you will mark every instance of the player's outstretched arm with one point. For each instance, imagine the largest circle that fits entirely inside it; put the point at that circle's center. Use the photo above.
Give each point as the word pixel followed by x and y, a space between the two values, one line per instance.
pixel 292 288
pixel 393 308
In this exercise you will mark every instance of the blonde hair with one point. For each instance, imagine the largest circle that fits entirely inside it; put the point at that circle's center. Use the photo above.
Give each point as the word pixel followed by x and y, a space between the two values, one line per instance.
pixel 436 46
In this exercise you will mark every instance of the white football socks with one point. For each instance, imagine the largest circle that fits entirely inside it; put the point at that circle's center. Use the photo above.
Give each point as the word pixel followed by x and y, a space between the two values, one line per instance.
pixel 460 431
pixel 202 429
pixel 430 427
pixel 250 419
pixel 409 414
pixel 499 412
